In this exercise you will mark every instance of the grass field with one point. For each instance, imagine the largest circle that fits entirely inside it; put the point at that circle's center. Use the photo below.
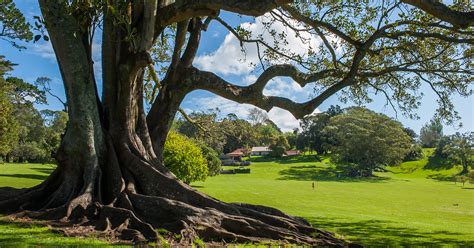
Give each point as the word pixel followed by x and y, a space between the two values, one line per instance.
pixel 415 204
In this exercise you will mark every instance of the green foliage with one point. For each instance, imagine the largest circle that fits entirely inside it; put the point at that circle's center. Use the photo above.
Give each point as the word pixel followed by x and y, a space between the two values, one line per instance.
pixel 212 158
pixel 312 136
pixel 8 124
pixel 279 146
pixel 460 149
pixel 214 134
pixel 184 158
pixel 431 133
pixel 30 151
pixel 222 135
pixel 414 153
pixel 266 134
pixel 239 133
pixel 365 140
pixel 13 25
pixel 25 133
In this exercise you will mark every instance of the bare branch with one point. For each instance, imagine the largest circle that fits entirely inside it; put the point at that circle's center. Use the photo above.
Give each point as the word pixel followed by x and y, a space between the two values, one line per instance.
pixel 191 120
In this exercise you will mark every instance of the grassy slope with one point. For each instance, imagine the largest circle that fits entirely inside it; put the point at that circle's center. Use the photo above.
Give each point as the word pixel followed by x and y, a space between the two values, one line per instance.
pixel 414 205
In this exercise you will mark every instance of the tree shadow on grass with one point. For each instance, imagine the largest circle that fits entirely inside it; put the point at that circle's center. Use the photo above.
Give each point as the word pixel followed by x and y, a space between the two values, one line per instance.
pixel 44 170
pixel 437 163
pixel 26 176
pixel 377 233
pixel 287 159
pixel 318 173
pixel 441 177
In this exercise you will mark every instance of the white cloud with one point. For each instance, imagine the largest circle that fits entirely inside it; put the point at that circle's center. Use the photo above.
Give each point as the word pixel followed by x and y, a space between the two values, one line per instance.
pixel 249 79
pixel 288 88
pixel 229 59
pixel 44 50
pixel 282 118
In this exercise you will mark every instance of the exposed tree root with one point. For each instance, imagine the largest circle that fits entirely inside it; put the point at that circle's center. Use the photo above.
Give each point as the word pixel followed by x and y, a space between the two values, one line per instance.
pixel 134 209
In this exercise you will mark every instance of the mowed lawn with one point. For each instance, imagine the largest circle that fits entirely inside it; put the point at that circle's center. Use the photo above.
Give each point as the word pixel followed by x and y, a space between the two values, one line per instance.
pixel 415 204
pixel 412 206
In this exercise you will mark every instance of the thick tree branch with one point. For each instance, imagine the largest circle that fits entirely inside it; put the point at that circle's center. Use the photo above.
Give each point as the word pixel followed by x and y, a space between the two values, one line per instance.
pixel 439 10
pixel 185 9
pixel 253 94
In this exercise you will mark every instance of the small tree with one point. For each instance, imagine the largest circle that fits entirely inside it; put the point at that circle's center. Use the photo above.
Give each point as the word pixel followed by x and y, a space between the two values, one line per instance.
pixel 184 158
pixel 460 149
pixel 366 140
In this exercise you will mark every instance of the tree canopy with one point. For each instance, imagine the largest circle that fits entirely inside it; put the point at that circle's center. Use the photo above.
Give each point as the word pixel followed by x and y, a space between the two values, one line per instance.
pixel 365 140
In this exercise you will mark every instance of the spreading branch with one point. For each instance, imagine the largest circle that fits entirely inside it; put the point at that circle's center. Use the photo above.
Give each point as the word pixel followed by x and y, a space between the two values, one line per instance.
pixel 439 10
pixel 186 9
pixel 253 94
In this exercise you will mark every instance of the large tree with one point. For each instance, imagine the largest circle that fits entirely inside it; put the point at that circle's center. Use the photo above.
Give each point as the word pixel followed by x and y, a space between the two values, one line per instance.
pixel 365 140
pixel 110 169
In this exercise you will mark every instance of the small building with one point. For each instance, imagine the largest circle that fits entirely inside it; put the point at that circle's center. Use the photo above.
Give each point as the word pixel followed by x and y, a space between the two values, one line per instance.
pixel 235 155
pixel 293 153
pixel 260 151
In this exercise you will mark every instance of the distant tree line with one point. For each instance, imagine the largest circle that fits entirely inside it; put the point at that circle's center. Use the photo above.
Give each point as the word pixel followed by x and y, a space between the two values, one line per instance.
pixel 26 133
pixel 225 134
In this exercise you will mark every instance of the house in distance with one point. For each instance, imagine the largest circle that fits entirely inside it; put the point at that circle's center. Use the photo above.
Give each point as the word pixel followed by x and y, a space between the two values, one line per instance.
pixel 260 151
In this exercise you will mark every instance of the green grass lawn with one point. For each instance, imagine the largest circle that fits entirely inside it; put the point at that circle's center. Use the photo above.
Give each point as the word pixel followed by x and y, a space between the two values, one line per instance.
pixel 415 204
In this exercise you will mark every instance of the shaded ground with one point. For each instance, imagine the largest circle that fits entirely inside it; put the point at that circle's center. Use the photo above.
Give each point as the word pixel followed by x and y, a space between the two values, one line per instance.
pixel 383 233
pixel 322 173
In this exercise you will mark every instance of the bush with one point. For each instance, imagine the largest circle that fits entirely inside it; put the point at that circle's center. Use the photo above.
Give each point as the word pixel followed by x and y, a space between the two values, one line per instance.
pixel 415 153
pixel 184 158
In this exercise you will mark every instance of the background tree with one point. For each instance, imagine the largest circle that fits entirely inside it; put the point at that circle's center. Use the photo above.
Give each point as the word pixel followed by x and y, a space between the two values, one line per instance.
pixel 460 149
pixel 8 124
pixel 257 116
pixel 110 163
pixel 279 146
pixel 312 129
pixel 431 133
pixel 366 140
pixel 185 159
pixel 292 137
pixel 206 129
pixel 415 152
pixel 239 134
pixel 213 162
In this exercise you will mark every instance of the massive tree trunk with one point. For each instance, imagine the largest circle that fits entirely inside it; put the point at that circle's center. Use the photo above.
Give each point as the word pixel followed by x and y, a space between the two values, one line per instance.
pixel 109 173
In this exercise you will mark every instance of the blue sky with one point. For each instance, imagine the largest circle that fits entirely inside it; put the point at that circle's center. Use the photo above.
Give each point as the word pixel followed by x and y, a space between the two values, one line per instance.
pixel 219 52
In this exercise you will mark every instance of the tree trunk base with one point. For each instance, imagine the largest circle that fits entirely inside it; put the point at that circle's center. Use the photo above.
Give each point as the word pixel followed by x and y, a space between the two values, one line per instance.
pixel 132 199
